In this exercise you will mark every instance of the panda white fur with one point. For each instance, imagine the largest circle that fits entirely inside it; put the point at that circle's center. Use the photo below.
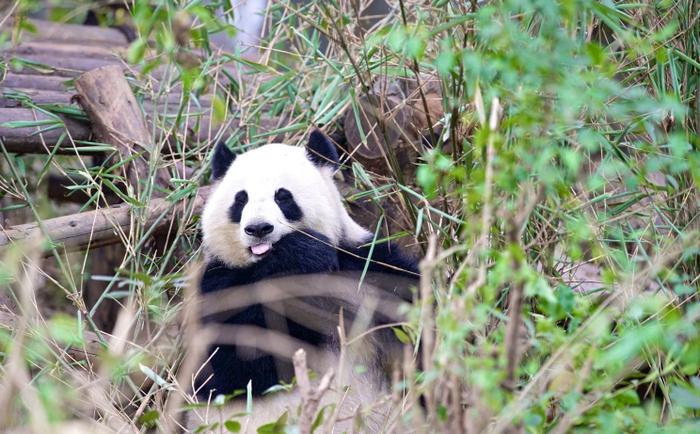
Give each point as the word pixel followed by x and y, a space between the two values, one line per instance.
pixel 276 211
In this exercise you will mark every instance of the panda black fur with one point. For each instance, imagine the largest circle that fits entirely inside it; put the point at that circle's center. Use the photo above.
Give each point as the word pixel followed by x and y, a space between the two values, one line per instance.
pixel 276 211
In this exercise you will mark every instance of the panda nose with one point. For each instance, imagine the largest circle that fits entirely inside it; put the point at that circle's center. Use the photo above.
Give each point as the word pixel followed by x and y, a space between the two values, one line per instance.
pixel 259 229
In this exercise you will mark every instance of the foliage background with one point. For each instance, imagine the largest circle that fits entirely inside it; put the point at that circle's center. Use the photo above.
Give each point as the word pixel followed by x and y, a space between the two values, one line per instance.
pixel 556 202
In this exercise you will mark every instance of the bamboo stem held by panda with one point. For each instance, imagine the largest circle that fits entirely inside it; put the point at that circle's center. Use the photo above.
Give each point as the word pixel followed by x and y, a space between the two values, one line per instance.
pixel 117 120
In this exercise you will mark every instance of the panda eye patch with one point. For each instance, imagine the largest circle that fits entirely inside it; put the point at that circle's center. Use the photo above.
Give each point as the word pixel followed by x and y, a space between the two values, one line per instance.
pixel 288 205
pixel 283 195
pixel 234 213
pixel 241 196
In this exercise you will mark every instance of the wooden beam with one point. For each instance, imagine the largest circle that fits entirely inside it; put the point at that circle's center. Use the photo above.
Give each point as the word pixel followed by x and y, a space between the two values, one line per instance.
pixel 58 189
pixel 100 227
pixel 37 96
pixel 49 31
pixel 117 119
pixel 58 65
pixel 63 49
pixel 35 81
pixel 40 138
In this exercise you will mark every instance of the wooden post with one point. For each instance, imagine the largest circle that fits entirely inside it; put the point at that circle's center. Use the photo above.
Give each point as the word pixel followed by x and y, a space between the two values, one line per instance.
pixel 117 120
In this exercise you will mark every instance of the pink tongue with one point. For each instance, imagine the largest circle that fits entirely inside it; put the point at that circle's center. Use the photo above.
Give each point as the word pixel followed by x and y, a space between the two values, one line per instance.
pixel 260 249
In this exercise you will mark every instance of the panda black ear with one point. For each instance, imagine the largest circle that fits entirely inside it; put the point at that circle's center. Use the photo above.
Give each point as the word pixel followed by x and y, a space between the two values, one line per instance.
pixel 221 160
pixel 321 151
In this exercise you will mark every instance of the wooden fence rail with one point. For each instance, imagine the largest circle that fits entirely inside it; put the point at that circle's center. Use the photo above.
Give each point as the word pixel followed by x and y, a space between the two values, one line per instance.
pixel 101 227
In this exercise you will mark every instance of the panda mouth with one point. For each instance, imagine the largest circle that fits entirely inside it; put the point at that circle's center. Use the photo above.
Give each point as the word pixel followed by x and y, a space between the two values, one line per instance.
pixel 260 249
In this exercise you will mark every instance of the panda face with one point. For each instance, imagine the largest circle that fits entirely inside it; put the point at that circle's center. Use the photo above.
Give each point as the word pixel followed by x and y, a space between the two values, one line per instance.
pixel 267 193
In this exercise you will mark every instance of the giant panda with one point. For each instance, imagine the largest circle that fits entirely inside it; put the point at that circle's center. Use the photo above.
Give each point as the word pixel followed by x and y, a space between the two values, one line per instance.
pixel 275 216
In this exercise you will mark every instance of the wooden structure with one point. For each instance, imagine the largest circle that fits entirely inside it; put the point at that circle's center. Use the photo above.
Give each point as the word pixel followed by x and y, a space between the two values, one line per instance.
pixel 65 89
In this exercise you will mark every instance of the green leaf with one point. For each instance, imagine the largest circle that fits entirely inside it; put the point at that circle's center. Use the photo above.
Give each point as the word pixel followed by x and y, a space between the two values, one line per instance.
pixel 219 109
pixel 445 61
pixel 320 416
pixel 149 418
pixel 66 330
pixel 136 51
pixel 401 335
pixel 276 427
pixel 232 426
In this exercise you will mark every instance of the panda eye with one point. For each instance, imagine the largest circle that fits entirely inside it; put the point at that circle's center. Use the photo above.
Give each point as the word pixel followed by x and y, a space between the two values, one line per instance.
pixel 241 197
pixel 283 195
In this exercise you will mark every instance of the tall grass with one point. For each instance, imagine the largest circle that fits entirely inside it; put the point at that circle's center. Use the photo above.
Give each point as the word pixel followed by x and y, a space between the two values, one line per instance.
pixel 555 202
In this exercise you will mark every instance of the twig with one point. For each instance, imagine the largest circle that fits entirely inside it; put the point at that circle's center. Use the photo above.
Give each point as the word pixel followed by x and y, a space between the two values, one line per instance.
pixel 310 397
pixel 426 316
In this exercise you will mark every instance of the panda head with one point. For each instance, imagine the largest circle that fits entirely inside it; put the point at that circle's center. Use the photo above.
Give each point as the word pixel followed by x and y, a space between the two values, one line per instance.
pixel 266 193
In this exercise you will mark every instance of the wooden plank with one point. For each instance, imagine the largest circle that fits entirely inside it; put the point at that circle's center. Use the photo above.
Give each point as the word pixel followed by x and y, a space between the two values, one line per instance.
pixel 117 119
pixel 35 81
pixel 66 49
pixel 38 96
pixel 102 226
pixel 49 31
pixel 38 139
pixel 170 102
pixel 58 65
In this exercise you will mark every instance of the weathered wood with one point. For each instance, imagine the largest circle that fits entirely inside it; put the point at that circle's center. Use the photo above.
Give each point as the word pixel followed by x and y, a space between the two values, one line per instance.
pixel 63 49
pixel 71 67
pixel 37 96
pixel 39 139
pixel 50 31
pixel 169 103
pixel 26 140
pixel 35 81
pixel 58 190
pixel 392 118
pixel 100 227
pixel 117 119
pixel 58 65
